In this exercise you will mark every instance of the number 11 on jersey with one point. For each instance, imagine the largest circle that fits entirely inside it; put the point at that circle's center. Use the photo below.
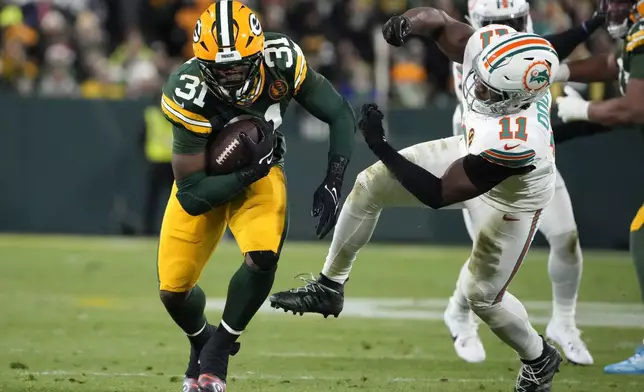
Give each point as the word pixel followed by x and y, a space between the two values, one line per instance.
pixel 507 133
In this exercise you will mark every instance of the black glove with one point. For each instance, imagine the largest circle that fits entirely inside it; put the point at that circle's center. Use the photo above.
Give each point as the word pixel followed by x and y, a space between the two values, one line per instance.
pixel 595 22
pixel 370 124
pixel 396 30
pixel 326 199
pixel 261 154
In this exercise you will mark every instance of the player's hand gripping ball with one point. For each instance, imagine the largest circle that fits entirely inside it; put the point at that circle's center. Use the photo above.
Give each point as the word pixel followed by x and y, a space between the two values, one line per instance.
pixel 396 30
pixel 370 124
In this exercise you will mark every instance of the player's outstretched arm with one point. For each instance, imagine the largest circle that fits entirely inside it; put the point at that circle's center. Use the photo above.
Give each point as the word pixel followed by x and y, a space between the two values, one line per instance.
pixel 566 42
pixel 319 98
pixel 465 179
pixel 598 68
pixel 626 110
pixel 450 34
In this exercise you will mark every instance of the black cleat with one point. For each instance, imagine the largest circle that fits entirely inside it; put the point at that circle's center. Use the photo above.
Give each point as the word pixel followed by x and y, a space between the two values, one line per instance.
pixel 214 362
pixel 314 297
pixel 190 385
pixel 537 375
pixel 211 383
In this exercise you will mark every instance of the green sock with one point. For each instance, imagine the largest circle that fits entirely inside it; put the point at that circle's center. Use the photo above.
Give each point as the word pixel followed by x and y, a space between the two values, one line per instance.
pixel 189 316
pixel 637 251
pixel 247 291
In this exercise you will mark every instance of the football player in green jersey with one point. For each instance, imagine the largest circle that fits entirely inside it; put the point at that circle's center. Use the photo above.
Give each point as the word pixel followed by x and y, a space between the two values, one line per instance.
pixel 626 22
pixel 238 71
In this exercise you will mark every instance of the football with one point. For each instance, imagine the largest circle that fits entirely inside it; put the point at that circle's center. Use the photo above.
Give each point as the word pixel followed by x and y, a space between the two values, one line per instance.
pixel 227 153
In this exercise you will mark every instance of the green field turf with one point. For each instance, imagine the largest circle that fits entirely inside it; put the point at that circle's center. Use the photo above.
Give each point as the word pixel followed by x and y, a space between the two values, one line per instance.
pixel 82 314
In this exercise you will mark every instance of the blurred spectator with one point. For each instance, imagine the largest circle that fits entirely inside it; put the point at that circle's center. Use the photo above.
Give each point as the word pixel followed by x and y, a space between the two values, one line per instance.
pixel 114 49
pixel 409 75
pixel 157 146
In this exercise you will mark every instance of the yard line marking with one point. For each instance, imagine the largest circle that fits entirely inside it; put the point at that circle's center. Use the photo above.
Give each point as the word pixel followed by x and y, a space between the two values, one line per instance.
pixel 593 314
pixel 275 377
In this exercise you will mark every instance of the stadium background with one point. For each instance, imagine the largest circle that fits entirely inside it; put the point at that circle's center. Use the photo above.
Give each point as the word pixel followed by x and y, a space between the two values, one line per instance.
pixel 79 91
pixel 77 76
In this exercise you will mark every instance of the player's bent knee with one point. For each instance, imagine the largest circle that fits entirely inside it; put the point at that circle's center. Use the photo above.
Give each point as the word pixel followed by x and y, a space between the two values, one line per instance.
pixel 172 299
pixel 368 184
pixel 479 295
pixel 262 260
pixel 566 245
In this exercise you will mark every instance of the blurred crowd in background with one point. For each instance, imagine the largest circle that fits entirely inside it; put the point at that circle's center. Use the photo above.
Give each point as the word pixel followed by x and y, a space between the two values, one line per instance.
pixel 116 49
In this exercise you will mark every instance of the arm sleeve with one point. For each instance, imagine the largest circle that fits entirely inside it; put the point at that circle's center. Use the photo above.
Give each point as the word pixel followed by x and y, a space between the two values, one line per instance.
pixel 425 186
pixel 566 42
pixel 319 98
pixel 485 175
pixel 199 193
pixel 428 188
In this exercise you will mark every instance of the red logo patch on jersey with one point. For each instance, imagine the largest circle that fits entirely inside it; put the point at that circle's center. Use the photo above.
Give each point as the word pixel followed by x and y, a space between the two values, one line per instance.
pixel 278 90
pixel 508 148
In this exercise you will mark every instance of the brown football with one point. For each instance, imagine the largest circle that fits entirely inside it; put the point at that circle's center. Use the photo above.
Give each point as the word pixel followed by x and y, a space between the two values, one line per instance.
pixel 227 153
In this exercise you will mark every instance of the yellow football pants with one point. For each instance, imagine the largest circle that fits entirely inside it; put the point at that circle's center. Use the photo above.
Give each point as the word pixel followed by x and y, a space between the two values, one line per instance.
pixel 257 218
pixel 638 221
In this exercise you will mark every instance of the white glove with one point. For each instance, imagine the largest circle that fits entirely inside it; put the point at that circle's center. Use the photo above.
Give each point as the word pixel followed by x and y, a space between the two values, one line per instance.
pixel 572 107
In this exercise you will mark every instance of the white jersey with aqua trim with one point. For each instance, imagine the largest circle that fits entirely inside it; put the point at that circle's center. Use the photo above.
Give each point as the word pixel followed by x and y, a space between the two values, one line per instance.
pixel 519 140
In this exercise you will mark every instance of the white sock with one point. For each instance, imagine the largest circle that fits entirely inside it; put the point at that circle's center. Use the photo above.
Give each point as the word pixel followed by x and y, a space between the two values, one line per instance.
pixel 565 267
pixel 459 296
pixel 356 224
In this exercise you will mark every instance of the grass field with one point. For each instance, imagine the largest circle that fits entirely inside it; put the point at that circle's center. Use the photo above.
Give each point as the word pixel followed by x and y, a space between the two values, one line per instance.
pixel 82 314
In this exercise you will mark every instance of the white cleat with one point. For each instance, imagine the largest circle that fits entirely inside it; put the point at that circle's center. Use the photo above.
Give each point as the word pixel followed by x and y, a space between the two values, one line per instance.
pixel 568 337
pixel 464 331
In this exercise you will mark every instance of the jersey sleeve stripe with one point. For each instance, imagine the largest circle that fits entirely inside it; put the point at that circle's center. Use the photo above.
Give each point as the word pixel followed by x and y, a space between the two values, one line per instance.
pixel 505 158
pixel 190 124
pixel 178 108
pixel 635 43
pixel 300 68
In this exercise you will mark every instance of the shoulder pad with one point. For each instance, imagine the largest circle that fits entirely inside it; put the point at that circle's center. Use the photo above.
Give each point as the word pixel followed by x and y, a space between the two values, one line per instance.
pixel 635 38
pixel 183 99
pixel 285 58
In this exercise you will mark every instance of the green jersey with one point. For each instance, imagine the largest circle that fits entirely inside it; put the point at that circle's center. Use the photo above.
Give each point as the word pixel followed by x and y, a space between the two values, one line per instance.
pixel 192 108
pixel 631 56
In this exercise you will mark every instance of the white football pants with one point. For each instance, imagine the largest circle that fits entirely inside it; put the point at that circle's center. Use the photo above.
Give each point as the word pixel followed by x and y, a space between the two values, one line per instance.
pixel 565 262
pixel 502 241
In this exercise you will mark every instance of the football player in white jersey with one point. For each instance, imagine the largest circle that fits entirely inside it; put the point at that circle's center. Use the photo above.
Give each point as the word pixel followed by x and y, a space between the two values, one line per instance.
pixel 503 172
pixel 557 222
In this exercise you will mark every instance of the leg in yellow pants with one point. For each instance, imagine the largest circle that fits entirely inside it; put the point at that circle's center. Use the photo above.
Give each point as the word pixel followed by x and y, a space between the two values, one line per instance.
pixel 258 220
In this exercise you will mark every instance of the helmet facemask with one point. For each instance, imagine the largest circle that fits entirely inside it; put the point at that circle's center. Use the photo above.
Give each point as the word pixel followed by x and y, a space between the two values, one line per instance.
pixel 235 81
pixel 483 98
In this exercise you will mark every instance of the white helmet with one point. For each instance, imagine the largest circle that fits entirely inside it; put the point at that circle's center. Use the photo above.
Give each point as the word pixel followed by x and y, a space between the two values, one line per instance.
pixel 510 74
pixel 513 13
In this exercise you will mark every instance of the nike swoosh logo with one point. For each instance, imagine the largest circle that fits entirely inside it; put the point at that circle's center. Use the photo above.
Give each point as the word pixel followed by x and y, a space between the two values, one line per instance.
pixel 509 218
pixel 508 148
pixel 334 194
pixel 180 104
pixel 268 157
